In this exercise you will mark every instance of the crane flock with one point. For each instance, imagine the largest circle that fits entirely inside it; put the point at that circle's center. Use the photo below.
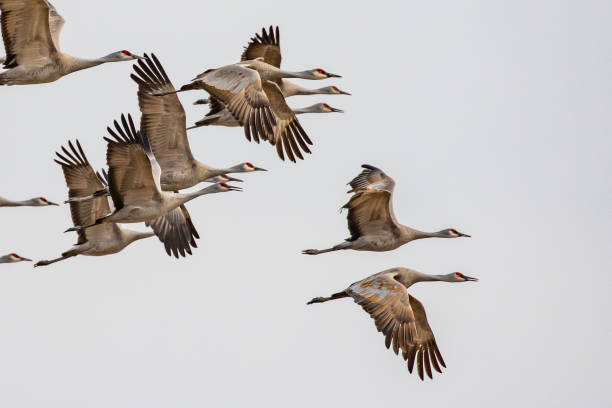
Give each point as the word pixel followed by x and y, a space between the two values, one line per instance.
pixel 151 162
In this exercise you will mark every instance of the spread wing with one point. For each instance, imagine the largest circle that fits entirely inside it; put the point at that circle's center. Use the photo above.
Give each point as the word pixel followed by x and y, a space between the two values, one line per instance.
pixel 163 117
pixel 370 209
pixel 26 32
pixel 82 181
pixel 424 349
pixel 240 89
pixel 288 133
pixel 371 213
pixel 266 46
pixel 401 318
pixel 176 231
pixel 372 178
pixel 133 172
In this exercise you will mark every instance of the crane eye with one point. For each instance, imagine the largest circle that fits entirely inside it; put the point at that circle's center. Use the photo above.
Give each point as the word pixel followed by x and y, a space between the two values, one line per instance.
pixel 459 274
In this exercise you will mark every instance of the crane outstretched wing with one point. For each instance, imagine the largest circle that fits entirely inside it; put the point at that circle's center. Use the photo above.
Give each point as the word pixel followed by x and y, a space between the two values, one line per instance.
pixel 401 318
pixel 266 46
pixel 26 32
pixel 288 133
pixel 163 117
pixel 82 181
pixel 133 172
pixel 176 230
pixel 240 89
pixel 371 178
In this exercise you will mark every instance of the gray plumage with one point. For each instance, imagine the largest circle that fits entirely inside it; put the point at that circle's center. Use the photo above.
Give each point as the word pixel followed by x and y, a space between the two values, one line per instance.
pixel 99 240
pixel 267 46
pixel 222 117
pixel 371 220
pixel 31 33
pixel 163 121
pixel 134 184
pixel 398 315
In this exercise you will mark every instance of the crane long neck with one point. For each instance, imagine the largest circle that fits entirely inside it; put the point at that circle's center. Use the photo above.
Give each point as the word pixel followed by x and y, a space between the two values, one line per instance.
pixel 77 64
pixel 413 234
pixel 185 197
pixel 294 74
pixel 416 277
pixel 300 111
pixel 291 89
pixel 7 203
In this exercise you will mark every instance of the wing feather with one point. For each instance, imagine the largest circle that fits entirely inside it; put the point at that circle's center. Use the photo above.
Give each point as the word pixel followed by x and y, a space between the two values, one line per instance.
pixel 266 46
pixel 163 117
pixel 176 230
pixel 82 181
pixel 26 32
pixel 402 320
pixel 133 172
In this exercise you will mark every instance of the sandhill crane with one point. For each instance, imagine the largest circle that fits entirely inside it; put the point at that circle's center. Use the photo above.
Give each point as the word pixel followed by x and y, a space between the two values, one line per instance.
pixel 33 202
pixel 267 46
pixel 12 258
pixel 163 121
pixel 371 220
pixel 103 239
pixel 219 116
pixel 134 184
pixel 31 31
pixel 399 315
pixel 248 91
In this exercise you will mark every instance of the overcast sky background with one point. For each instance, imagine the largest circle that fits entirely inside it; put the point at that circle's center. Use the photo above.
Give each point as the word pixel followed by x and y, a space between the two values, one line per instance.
pixel 492 117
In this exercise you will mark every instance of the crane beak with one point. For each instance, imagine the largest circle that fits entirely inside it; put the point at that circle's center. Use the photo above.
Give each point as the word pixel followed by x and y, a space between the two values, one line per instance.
pixel 25 259
pixel 137 56
pixel 232 188
pixel 329 75
pixel 469 278
pixel 52 203
pixel 336 110
pixel 465 235
pixel 343 92
pixel 259 169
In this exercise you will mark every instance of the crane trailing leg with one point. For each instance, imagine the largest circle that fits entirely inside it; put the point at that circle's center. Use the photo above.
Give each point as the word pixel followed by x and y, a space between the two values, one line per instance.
pixel 338 295
pixel 344 245
pixel 65 255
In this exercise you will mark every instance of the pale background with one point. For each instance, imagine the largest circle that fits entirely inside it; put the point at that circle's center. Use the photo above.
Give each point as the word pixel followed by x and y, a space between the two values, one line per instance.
pixel 493 117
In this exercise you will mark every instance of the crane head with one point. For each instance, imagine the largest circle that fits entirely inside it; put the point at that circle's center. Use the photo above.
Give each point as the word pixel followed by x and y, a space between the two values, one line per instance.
pixel 320 73
pixel 247 167
pixel 43 201
pixel 327 108
pixel 453 233
pixel 123 55
pixel 336 90
pixel 16 258
pixel 459 277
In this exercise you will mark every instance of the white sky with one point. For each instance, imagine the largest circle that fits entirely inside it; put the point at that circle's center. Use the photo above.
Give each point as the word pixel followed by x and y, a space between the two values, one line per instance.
pixel 492 117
